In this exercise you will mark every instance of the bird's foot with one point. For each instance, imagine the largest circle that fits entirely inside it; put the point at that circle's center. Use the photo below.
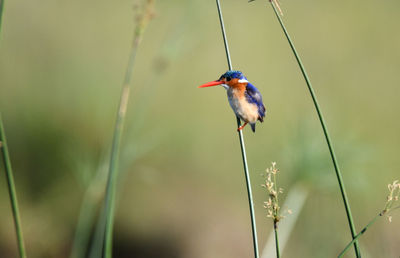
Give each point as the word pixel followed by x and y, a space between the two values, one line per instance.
pixel 241 127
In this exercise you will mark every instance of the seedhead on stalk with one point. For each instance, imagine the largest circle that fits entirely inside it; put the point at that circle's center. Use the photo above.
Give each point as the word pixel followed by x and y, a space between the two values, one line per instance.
pixel 272 205
pixel 392 198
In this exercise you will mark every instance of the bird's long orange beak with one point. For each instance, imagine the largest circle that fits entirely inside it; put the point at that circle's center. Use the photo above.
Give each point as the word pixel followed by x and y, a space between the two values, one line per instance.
pixel 209 84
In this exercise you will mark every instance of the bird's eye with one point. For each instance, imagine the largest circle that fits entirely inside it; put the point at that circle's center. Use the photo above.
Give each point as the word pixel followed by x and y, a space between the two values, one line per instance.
pixel 228 78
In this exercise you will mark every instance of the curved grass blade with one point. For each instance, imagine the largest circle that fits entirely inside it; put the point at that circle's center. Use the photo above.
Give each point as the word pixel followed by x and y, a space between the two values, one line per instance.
pixel 11 189
pixel 9 174
pixel 325 130
pixel 109 204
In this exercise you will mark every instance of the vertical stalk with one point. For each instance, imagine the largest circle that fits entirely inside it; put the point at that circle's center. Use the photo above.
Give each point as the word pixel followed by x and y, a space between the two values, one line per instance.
pixel 114 159
pixel 9 174
pixel 84 225
pixel 11 189
pixel 276 219
pixel 278 255
pixel 1 11
pixel 325 130
pixel 96 247
pixel 242 146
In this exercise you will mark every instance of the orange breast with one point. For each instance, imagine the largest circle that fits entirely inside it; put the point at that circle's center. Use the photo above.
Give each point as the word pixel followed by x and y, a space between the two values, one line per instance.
pixel 239 88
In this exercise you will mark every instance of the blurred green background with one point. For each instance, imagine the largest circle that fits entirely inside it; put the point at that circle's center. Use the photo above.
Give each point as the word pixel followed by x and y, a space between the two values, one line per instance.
pixel 182 190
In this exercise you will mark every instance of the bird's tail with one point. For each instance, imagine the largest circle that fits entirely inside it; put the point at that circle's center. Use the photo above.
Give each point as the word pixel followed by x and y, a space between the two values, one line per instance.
pixel 253 127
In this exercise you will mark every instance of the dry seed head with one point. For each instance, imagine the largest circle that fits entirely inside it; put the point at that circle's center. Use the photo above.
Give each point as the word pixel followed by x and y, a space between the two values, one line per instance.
pixel 272 205
pixel 393 196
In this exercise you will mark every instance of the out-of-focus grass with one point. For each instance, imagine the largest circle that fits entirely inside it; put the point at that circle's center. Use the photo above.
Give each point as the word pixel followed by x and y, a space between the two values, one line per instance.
pixel 59 62
pixel 12 193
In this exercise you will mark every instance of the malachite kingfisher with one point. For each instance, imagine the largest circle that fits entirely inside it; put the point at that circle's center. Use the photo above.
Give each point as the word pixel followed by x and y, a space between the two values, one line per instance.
pixel 244 97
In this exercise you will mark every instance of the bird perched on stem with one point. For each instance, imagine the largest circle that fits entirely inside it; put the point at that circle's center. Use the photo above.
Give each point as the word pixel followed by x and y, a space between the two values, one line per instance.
pixel 244 98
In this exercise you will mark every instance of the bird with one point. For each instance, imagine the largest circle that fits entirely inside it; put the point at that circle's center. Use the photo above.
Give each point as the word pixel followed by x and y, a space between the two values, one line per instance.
pixel 244 98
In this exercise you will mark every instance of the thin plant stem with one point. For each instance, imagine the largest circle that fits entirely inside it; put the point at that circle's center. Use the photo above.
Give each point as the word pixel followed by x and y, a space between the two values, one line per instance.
pixel 221 20
pixel 276 221
pixel 114 159
pixel 11 190
pixel 82 233
pixel 325 130
pixel 358 235
pixel 9 174
pixel 93 196
pixel 295 200
pixel 1 12
pixel 363 231
pixel 98 236
pixel 276 239
pixel 242 146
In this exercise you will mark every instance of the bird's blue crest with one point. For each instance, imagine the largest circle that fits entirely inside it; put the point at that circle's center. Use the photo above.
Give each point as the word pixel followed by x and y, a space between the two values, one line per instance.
pixel 233 74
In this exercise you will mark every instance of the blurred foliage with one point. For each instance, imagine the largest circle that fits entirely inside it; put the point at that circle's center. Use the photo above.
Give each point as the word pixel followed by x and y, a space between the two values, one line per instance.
pixel 183 192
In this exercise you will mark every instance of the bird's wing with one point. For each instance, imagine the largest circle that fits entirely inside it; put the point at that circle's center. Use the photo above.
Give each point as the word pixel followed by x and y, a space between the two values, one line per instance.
pixel 254 96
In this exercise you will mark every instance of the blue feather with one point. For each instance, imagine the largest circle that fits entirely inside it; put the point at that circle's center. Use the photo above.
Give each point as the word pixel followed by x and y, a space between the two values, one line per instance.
pixel 233 74
pixel 254 96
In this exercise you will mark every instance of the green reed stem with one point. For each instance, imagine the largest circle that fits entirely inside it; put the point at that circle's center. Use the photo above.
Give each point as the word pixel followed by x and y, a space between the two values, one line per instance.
pixel 82 234
pixel 11 189
pixel 1 11
pixel 242 146
pixel 324 128
pixel 96 246
pixel 363 231
pixel 86 217
pixel 276 218
pixel 9 174
pixel 276 239
pixel 358 235
pixel 114 159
